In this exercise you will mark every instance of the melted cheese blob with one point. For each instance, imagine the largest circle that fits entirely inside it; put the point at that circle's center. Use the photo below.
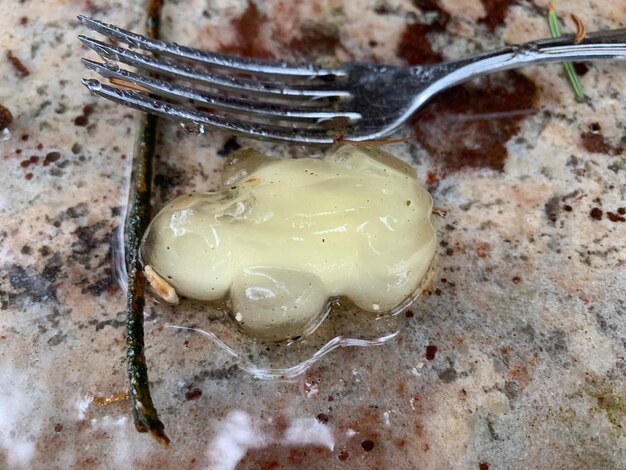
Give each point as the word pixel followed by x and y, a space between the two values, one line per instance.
pixel 286 235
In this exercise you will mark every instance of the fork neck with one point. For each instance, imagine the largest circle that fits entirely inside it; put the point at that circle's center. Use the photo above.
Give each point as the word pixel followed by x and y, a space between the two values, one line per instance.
pixel 603 45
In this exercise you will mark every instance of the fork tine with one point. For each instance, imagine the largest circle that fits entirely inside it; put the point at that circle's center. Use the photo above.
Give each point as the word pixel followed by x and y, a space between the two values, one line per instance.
pixel 227 82
pixel 179 92
pixel 201 119
pixel 243 65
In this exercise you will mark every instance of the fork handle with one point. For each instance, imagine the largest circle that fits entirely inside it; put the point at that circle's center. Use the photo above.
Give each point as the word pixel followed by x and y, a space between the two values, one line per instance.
pixel 601 45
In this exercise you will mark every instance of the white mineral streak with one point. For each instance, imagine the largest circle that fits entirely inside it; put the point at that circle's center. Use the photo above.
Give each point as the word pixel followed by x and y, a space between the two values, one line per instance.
pixel 16 408
pixel 238 433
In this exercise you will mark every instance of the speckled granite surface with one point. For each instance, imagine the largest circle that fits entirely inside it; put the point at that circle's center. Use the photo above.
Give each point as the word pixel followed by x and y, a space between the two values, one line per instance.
pixel 513 359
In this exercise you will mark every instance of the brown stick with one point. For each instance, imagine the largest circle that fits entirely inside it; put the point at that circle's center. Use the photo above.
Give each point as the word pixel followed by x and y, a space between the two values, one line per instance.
pixel 144 412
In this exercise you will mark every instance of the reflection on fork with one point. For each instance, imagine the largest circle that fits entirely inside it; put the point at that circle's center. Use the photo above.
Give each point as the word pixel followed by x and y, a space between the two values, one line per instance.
pixel 300 103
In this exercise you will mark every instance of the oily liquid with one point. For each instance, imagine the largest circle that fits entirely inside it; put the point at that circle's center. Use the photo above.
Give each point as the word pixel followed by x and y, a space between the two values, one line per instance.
pixel 344 326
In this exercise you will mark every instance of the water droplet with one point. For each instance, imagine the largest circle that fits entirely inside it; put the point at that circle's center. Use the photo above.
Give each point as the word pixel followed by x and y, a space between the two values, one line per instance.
pixel 95 85
pixel 5 134
pixel 194 128
pixel 112 66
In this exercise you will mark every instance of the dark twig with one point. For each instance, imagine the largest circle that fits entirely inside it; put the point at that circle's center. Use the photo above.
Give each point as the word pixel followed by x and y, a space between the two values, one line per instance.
pixel 145 414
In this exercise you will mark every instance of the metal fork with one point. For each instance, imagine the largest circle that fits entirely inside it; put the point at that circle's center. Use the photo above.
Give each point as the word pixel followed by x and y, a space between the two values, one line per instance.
pixel 300 103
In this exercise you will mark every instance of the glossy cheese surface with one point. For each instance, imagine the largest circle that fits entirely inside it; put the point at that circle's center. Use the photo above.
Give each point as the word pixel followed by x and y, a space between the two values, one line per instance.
pixel 285 235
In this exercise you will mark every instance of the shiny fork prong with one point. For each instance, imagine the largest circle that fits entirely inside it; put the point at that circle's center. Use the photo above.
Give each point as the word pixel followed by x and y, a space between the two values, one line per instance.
pixel 383 96
pixel 181 92
pixel 200 120
pixel 220 81
pixel 236 64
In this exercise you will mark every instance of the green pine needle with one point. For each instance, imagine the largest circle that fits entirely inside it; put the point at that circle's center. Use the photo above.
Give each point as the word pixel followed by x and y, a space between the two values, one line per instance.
pixel 553 22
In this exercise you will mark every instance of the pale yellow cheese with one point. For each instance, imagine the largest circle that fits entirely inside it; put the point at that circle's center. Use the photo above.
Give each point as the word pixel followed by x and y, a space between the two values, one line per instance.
pixel 286 235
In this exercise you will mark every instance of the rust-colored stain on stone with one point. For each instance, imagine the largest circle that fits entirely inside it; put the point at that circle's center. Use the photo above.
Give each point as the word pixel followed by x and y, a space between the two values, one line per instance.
pixel 482 249
pixel 193 394
pixel 414 46
pixel 596 213
pixel 613 217
pixel 83 119
pixel 248 27
pixel 469 125
pixel 323 418
pixel 6 118
pixel 431 352
pixel 279 456
pixel 20 69
pixel 368 445
pixel 311 41
pixel 51 157
pixel 315 39
pixel 496 11
pixel 594 142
